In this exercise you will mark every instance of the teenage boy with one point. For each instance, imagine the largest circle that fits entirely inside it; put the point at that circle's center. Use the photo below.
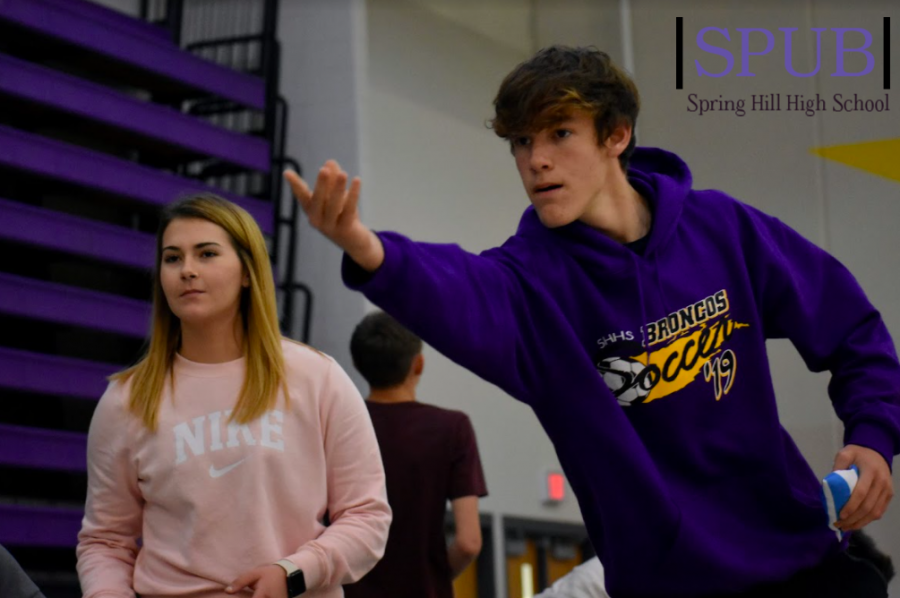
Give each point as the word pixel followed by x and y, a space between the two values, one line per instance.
pixel 630 311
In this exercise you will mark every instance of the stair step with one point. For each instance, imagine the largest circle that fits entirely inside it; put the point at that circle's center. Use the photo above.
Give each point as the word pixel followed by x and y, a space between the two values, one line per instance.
pixel 114 46
pixel 75 96
pixel 91 169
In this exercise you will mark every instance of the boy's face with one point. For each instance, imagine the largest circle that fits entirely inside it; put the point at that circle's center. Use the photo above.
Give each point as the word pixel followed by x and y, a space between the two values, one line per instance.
pixel 564 169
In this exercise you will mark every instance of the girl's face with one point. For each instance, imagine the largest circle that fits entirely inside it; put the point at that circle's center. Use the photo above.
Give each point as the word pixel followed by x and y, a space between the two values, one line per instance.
pixel 201 274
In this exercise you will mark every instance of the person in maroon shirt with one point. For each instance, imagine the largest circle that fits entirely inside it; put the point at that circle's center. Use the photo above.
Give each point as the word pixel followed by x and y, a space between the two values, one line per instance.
pixel 430 456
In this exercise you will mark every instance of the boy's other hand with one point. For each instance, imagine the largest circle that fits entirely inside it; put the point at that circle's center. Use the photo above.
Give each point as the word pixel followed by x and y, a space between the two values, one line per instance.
pixel 873 492
pixel 332 209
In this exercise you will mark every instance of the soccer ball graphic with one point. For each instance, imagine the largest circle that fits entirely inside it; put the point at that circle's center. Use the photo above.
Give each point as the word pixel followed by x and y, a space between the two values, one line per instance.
pixel 623 377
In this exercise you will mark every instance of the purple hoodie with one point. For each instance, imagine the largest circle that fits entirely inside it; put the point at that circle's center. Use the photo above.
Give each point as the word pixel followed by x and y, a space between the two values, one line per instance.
pixel 649 373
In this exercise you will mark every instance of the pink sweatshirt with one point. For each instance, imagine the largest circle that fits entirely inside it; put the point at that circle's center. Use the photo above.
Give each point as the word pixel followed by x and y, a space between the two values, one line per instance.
pixel 211 500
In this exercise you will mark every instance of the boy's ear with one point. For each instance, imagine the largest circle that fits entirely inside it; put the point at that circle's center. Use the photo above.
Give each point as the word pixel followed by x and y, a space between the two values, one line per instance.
pixel 418 364
pixel 619 139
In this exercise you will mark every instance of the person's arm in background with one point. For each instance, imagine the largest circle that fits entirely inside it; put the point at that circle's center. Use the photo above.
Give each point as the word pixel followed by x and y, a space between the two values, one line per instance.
pixel 466 544
pixel 466 486
pixel 584 581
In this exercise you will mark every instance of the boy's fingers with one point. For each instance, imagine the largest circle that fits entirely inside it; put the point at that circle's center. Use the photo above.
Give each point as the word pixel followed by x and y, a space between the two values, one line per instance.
pixel 295 179
pixel 874 506
pixel 353 196
pixel 876 512
pixel 320 194
pixel 870 514
pixel 843 460
pixel 298 187
pixel 865 513
pixel 330 164
pixel 336 199
pixel 326 202
pixel 858 495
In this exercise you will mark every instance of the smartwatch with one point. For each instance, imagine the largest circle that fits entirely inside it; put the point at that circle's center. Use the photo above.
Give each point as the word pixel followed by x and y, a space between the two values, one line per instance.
pixel 296 583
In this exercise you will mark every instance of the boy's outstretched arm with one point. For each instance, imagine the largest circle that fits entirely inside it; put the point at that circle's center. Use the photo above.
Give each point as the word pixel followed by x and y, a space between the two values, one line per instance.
pixel 469 307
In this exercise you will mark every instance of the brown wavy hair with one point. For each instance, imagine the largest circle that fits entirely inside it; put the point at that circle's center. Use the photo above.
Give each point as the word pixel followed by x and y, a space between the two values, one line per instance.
pixel 547 88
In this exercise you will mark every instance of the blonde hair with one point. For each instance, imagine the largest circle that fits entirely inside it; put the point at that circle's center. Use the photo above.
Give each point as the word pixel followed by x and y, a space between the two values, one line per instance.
pixel 265 370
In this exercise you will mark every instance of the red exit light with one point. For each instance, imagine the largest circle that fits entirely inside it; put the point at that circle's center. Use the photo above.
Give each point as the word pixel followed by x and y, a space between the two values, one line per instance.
pixel 556 487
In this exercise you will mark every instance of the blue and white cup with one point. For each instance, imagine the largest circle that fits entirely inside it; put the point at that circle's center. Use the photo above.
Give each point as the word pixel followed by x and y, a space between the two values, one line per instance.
pixel 837 487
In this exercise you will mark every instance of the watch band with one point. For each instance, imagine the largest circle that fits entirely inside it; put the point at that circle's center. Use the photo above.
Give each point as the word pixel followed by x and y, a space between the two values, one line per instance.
pixel 288 566
pixel 296 583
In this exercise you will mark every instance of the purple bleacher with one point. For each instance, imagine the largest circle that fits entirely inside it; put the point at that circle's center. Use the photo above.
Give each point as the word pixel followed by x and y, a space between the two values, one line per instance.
pixel 84 99
pixel 53 375
pixel 71 234
pixel 22 525
pixel 64 304
pixel 108 37
pixel 43 449
pixel 63 161
pixel 114 19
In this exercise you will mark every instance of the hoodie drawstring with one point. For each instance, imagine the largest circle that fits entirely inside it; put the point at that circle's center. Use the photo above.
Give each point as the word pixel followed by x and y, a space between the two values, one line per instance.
pixel 640 287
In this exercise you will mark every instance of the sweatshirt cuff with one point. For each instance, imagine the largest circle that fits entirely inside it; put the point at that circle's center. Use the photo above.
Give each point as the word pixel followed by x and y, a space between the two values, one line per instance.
pixel 874 437
pixel 356 278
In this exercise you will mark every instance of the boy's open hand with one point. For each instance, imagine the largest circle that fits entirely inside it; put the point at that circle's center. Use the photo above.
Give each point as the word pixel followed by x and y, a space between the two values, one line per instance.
pixel 332 210
pixel 873 492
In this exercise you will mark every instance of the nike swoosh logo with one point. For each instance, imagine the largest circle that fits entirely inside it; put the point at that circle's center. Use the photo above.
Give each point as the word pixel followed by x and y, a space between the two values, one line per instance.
pixel 217 473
